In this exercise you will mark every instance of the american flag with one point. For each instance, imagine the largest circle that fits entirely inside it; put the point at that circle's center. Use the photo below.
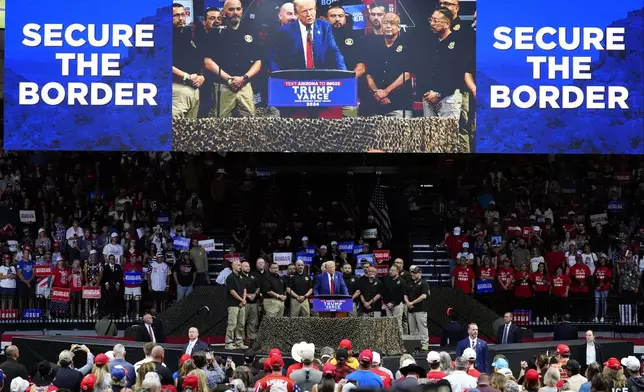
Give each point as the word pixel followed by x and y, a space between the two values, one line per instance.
pixel 378 209
pixel 349 204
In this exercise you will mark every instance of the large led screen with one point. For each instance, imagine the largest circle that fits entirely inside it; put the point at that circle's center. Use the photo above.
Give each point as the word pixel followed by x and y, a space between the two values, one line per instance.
pixel 401 76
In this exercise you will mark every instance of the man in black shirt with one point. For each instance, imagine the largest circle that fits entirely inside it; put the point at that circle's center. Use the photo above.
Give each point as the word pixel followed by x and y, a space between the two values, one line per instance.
pixel 300 289
pixel 185 273
pixel 236 300
pixel 394 295
pixel 416 299
pixel 232 56
pixel 347 41
pixel 252 285
pixel 387 67
pixel 353 285
pixel 274 292
pixel 370 293
pixel 186 67
pixel 165 374
pixel 12 368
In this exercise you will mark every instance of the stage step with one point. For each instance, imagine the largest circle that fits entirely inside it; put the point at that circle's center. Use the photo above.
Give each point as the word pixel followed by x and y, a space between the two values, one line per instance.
pixel 191 312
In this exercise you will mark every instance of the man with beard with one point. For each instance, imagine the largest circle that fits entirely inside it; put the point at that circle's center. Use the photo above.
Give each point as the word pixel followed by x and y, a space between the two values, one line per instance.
pixel 274 292
pixel 353 285
pixel 387 68
pixel 186 67
pixel 347 41
pixel 232 56
pixel 252 300
pixel 300 289
pixel 211 25
pixel 253 313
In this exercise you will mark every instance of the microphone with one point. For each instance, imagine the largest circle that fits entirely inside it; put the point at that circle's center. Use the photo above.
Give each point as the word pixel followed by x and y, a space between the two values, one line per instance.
pixel 204 307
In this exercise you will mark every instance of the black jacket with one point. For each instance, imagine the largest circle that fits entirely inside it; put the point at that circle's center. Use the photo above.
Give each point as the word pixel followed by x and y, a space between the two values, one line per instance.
pixel 12 369
pixel 200 345
pixel 514 334
pixel 565 331
pixel 142 334
pixel 453 332
pixel 68 378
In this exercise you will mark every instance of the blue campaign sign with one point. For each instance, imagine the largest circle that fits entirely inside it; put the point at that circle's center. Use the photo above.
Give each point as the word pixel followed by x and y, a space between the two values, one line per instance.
pixel 484 286
pixel 32 314
pixel 369 257
pixel 312 93
pixel 307 258
pixel 182 243
pixel 332 305
pixel 163 219
pixel 133 278
pixel 357 12
pixel 345 247
pixel 310 250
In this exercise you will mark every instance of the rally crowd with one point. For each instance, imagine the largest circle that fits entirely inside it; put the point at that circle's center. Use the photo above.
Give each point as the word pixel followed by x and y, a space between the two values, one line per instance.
pixel 324 370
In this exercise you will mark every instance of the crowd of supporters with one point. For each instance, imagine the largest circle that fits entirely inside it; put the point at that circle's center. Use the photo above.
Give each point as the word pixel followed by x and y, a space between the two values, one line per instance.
pixel 324 370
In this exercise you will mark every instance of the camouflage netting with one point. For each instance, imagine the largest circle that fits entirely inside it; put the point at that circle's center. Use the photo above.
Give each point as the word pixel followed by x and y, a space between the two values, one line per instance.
pixel 354 134
pixel 380 334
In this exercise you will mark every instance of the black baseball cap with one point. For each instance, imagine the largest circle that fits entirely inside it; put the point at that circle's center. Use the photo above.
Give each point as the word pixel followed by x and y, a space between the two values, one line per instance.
pixel 249 356
pixel 342 354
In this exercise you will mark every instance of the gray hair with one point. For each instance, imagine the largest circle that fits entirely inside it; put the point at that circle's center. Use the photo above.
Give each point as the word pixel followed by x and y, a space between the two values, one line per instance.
pixel 461 363
pixel 511 386
pixel 446 362
pixel 119 351
pixel 551 377
pixel 65 356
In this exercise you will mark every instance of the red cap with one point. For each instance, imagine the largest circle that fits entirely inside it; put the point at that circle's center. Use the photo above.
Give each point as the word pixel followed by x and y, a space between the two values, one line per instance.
pixel 168 388
pixel 532 375
pixel 277 361
pixel 184 358
pixel 345 343
pixel 328 369
pixel 563 349
pixel 560 383
pixel 88 382
pixel 101 360
pixel 613 363
pixel 366 356
pixel 267 365
pixel 274 352
pixel 190 381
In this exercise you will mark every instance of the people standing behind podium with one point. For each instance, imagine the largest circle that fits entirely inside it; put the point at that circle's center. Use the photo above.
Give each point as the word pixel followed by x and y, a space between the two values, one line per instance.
pixel 371 292
pixel 232 56
pixel 236 303
pixel 307 43
pixel 353 284
pixel 479 346
pixel 300 289
pixel 394 289
pixel 509 332
pixel 274 292
pixel 253 291
pixel 330 282
pixel 417 301
pixel 186 67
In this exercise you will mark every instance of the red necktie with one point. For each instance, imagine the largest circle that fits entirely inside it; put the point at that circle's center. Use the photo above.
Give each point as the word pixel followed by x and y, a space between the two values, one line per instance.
pixel 332 285
pixel 309 52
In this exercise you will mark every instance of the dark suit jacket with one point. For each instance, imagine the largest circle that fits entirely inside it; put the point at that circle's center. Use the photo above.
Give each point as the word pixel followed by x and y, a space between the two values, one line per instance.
pixel 142 334
pixel 481 353
pixel 289 50
pixel 68 378
pixel 565 331
pixel 453 332
pixel 514 334
pixel 199 346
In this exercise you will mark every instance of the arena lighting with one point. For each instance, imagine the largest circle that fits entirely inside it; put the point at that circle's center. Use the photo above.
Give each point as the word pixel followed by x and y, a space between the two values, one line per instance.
pixel 427 186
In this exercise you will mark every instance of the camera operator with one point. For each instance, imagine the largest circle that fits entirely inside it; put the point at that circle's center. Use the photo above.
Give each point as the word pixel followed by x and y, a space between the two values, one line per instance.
pixel 206 362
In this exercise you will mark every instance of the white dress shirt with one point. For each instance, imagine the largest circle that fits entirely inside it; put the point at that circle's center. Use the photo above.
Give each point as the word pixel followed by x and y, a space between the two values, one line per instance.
pixel 304 34
pixel 591 354
pixel 472 344
pixel 191 345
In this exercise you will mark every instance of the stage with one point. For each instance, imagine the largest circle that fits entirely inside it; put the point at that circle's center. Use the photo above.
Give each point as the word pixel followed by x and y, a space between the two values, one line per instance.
pixel 34 349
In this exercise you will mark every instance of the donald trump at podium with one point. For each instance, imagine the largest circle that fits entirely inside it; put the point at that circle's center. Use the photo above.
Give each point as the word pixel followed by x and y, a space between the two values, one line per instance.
pixel 307 43
pixel 330 282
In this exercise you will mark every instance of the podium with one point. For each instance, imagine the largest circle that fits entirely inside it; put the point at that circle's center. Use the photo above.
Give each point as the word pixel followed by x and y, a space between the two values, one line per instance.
pixel 312 92
pixel 333 306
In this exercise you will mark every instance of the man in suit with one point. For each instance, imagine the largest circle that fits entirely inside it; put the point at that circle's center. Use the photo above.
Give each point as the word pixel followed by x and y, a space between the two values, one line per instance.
pixel 307 43
pixel 194 344
pixel 151 330
pixel 509 332
pixel 565 330
pixel 477 344
pixel 330 282
pixel 592 352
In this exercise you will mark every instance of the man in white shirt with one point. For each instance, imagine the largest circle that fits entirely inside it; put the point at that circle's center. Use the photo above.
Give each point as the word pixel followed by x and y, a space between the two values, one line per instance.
pixel 158 281
pixel 74 230
pixel 113 248
pixel 147 350
pixel 574 378
pixel 593 351
pixel 459 379
pixel 466 253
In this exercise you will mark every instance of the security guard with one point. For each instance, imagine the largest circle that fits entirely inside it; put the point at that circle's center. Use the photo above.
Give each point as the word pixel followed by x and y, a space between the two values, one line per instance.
pixel 352 283
pixel 441 72
pixel 371 290
pixel 347 41
pixel 233 57
pixel 210 26
pixel 388 66
pixel 300 289
pixel 274 292
pixel 186 67
pixel 252 299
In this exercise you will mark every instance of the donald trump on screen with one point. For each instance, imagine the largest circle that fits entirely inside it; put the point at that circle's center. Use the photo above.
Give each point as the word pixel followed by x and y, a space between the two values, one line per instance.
pixel 330 282
pixel 307 43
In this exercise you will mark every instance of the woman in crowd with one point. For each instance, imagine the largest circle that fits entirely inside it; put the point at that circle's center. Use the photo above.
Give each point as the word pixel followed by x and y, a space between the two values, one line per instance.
pixel 593 370
pixel 523 287
pixel 203 381
pixel 535 260
pixel 93 274
pixel 531 381
pixel 186 365
pixel 244 375
pixel 603 276
pixel 497 381
pixel 144 369
pixel 541 287
pixel 328 380
pixel 446 362
pixel 600 383
pixel 559 286
pixel 615 373
pixel 60 279
pixel 7 282
pixel 101 371
pixel 550 380
pixel 151 383
pixel 76 288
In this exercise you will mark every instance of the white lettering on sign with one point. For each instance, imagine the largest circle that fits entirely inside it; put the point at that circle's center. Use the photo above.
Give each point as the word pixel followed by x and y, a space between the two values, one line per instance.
pixel 312 93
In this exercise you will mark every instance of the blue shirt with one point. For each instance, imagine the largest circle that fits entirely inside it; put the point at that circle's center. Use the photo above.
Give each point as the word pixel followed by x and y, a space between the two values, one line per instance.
pixel 27 268
pixel 585 387
pixel 131 373
pixel 366 379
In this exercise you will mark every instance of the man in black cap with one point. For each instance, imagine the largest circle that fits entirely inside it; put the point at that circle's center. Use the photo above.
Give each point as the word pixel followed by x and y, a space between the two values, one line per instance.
pixel 342 369
pixel 249 360
pixel 416 299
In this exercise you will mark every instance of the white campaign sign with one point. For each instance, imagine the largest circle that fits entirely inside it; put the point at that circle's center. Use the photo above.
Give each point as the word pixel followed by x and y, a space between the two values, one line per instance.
pixel 283 258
